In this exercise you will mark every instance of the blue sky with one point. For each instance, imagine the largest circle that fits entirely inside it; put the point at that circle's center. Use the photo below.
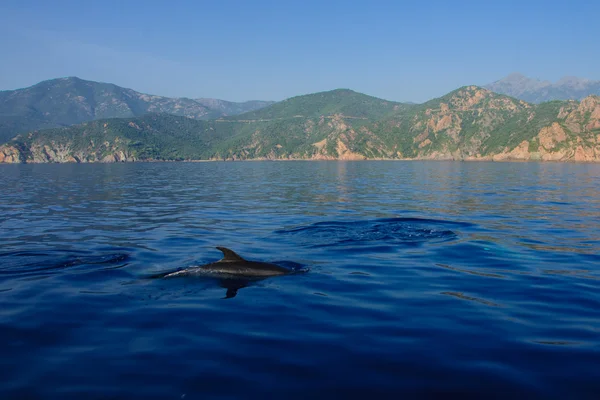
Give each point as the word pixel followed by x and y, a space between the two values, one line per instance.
pixel 271 50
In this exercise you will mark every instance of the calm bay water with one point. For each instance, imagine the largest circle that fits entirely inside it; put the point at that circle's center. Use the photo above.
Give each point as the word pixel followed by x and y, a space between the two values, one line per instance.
pixel 425 278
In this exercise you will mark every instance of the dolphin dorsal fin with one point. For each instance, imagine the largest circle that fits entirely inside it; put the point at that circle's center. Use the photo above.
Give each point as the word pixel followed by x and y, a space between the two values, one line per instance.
pixel 229 255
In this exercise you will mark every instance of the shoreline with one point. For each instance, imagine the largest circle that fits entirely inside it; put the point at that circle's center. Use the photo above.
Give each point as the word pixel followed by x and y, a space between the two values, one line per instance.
pixel 475 160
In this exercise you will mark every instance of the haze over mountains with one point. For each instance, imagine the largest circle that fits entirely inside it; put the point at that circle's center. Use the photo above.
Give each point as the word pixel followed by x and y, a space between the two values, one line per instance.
pixel 536 91
pixel 69 101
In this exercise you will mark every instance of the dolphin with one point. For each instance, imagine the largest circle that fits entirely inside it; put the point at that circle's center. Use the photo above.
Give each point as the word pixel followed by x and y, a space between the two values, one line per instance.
pixel 234 266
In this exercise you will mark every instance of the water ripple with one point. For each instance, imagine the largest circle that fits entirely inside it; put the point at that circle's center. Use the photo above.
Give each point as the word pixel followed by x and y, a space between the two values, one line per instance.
pixel 391 231
pixel 37 262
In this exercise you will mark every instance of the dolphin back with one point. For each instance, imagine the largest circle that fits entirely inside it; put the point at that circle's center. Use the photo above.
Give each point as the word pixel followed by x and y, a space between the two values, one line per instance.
pixel 230 255
pixel 233 264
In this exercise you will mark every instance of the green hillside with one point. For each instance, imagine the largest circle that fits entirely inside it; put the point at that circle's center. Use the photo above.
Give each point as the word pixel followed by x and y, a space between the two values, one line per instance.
pixel 339 101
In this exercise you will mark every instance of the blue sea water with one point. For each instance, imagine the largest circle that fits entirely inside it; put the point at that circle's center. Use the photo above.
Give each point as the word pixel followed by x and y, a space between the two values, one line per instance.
pixel 424 279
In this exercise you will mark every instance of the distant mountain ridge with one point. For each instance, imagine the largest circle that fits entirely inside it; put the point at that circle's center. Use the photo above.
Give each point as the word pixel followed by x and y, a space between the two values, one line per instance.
pixel 68 101
pixel 470 123
pixel 232 108
pixel 536 91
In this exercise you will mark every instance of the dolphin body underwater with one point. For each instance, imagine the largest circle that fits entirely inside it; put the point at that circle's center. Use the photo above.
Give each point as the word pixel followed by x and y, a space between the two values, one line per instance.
pixel 234 271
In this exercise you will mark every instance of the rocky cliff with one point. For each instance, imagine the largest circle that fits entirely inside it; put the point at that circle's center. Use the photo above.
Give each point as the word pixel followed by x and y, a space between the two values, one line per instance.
pixel 574 136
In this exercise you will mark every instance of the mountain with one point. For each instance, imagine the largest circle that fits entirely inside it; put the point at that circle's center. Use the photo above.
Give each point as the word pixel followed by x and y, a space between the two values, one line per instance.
pixel 536 91
pixel 69 101
pixel 473 123
pixel 340 101
pixel 470 123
